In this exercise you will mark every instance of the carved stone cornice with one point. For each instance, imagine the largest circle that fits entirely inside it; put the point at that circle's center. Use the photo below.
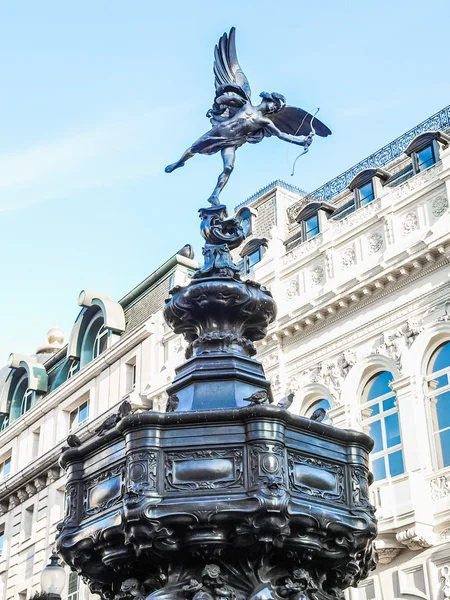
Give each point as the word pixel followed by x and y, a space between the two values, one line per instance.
pixel 418 537
pixel 363 332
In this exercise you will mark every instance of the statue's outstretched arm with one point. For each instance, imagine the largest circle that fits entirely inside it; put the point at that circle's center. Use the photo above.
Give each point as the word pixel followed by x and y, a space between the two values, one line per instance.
pixel 300 140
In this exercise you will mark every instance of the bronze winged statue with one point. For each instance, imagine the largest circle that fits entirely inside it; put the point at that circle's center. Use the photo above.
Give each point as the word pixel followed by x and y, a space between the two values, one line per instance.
pixel 235 120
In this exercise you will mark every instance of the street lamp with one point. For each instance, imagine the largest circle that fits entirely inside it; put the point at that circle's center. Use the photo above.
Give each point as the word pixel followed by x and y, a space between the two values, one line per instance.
pixel 53 578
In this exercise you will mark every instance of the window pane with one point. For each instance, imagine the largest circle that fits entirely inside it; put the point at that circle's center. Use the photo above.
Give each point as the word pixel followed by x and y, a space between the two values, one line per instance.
pixel 374 409
pixel 7 467
pixel 389 403
pixel 443 448
pixel 441 358
pixel 375 434
pixel 425 158
pixel 379 469
pixel 73 418
pixel 443 410
pixel 379 385
pixel 312 226
pixel 392 430
pixel 254 258
pixel 83 412
pixel 2 537
pixel 366 194
pixel 396 463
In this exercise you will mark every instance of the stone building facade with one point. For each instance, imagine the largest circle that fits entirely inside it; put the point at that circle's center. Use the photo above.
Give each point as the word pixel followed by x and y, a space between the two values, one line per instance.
pixel 360 270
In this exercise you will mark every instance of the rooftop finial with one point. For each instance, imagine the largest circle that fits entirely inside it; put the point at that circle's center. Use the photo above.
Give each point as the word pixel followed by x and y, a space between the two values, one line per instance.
pixel 55 341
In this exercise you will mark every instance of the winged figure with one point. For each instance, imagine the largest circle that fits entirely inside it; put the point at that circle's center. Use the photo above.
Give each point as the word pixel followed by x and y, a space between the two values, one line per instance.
pixel 235 120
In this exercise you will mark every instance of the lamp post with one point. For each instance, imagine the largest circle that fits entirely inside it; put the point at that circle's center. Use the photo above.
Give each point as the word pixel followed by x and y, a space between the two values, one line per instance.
pixel 53 578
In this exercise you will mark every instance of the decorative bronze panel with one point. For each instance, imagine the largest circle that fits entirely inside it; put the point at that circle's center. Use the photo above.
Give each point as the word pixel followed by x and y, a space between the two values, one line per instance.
pixel 141 472
pixel 103 491
pixel 360 488
pixel 267 467
pixel 315 477
pixel 203 470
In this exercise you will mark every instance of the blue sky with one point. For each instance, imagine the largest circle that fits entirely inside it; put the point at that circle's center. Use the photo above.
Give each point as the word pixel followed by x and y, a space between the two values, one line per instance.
pixel 97 97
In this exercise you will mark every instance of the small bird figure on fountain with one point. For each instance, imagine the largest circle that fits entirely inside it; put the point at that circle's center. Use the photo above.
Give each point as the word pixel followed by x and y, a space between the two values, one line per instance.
pixel 235 120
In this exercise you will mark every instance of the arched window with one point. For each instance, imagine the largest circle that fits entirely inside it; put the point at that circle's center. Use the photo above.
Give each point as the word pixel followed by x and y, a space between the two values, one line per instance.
pixel 381 422
pixel 21 399
pixel 439 389
pixel 323 403
pixel 94 341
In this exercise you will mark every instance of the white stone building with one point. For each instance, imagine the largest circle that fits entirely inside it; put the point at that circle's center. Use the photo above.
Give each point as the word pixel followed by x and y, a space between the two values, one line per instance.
pixel 360 270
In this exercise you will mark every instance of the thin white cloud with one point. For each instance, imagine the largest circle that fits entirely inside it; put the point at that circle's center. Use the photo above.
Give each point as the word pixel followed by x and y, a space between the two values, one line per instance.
pixel 104 155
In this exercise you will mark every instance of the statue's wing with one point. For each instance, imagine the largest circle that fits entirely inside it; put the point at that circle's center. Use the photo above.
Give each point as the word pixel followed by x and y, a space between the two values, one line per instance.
pixel 227 70
pixel 297 121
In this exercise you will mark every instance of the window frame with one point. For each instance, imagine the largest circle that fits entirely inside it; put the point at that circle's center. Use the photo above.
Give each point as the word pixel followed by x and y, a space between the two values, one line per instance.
pixel 305 231
pixel 367 420
pixel 357 194
pixel 248 268
pixel 7 460
pixel 76 411
pixel 433 398
pixel 415 157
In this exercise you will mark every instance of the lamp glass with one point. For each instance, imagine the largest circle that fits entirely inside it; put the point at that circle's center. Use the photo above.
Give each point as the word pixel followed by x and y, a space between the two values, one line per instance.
pixel 53 579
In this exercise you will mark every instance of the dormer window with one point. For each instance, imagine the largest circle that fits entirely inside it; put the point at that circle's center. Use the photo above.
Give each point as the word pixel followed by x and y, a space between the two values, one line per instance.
pixel 310 227
pixel 424 149
pixel 311 219
pixel 425 158
pixel 365 194
pixel 367 185
pixel 252 254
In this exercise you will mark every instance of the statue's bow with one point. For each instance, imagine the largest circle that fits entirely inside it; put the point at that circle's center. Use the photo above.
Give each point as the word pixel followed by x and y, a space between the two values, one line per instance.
pixel 312 134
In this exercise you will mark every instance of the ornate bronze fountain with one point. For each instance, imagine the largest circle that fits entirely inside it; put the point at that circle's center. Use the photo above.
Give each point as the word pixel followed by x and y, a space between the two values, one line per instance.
pixel 224 496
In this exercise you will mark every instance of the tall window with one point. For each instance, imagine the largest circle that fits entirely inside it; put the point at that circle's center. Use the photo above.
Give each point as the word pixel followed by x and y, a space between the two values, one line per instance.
pixel 439 391
pixel 73 586
pixel 2 538
pixel 79 415
pixel 319 404
pixel 380 420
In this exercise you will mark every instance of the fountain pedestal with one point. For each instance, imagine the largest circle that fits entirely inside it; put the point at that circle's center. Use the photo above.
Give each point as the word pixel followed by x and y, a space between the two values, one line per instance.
pixel 226 496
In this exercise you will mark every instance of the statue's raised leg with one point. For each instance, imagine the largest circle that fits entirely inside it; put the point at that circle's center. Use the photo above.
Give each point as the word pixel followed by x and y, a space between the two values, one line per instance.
pixel 180 163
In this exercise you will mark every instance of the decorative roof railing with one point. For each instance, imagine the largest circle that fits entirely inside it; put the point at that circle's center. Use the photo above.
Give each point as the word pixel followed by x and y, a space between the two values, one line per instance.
pixel 262 191
pixel 439 121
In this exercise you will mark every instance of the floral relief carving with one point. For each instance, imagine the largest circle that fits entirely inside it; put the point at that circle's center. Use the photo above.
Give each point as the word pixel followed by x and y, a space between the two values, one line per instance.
pixel 445 580
pixel 393 343
pixel 316 275
pixel 410 223
pixel 440 487
pixel 292 288
pixel 439 206
pixel 374 243
pixel 348 257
